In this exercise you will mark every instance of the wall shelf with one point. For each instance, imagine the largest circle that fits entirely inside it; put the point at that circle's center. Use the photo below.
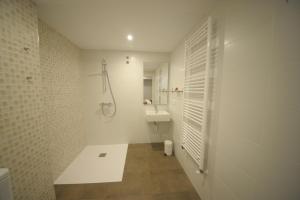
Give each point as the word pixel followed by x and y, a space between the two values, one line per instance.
pixel 172 91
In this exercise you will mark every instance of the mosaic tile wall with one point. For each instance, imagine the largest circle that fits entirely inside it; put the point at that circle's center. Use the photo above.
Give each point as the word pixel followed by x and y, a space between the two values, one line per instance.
pixel 23 143
pixel 60 67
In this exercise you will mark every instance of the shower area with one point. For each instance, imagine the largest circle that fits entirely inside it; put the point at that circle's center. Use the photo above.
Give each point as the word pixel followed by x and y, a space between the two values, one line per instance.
pixel 113 114
pixel 81 98
pixel 98 162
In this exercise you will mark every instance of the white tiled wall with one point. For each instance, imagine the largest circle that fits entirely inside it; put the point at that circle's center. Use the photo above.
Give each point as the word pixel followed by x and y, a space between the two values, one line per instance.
pixel 63 95
pixel 23 141
pixel 256 155
pixel 129 125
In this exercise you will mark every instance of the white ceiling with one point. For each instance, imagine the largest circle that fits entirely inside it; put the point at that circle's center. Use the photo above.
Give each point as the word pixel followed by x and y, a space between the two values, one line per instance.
pixel 157 25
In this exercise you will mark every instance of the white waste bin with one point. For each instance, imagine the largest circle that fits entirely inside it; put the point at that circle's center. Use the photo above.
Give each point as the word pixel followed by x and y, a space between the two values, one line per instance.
pixel 168 147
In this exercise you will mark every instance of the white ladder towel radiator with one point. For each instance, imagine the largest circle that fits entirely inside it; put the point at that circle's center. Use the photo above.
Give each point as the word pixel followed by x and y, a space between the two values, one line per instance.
pixel 196 93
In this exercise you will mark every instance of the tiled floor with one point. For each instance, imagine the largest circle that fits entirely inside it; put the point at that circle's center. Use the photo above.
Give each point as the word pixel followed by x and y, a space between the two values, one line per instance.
pixel 148 175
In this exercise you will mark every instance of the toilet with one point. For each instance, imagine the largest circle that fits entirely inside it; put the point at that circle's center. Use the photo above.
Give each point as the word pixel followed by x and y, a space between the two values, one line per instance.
pixel 5 185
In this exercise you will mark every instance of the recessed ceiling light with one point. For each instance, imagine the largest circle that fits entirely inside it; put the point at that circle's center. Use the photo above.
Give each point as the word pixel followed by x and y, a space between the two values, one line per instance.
pixel 129 37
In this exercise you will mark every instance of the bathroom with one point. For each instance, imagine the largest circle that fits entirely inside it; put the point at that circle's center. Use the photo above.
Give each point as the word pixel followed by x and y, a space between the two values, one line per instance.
pixel 97 99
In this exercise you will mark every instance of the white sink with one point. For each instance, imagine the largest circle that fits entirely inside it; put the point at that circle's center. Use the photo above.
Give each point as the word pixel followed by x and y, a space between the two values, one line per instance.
pixel 159 116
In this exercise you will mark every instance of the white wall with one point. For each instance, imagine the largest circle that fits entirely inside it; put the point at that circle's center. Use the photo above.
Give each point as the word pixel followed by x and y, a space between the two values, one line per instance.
pixel 258 138
pixel 129 124
pixel 254 153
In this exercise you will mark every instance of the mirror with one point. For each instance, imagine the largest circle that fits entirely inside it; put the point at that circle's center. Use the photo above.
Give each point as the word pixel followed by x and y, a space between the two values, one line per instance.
pixel 156 83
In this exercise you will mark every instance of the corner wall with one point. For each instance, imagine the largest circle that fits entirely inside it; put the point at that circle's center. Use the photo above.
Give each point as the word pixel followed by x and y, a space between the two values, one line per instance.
pixel 257 154
pixel 63 96
pixel 254 152
pixel 23 141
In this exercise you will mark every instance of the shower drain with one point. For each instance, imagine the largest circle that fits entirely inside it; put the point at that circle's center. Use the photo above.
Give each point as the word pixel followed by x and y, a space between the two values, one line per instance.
pixel 101 155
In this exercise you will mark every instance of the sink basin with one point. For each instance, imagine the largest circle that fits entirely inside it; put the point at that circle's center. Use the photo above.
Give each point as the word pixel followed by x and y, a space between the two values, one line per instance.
pixel 159 116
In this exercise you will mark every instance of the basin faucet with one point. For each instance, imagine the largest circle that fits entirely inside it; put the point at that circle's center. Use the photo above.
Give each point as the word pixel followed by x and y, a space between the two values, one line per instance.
pixel 155 108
